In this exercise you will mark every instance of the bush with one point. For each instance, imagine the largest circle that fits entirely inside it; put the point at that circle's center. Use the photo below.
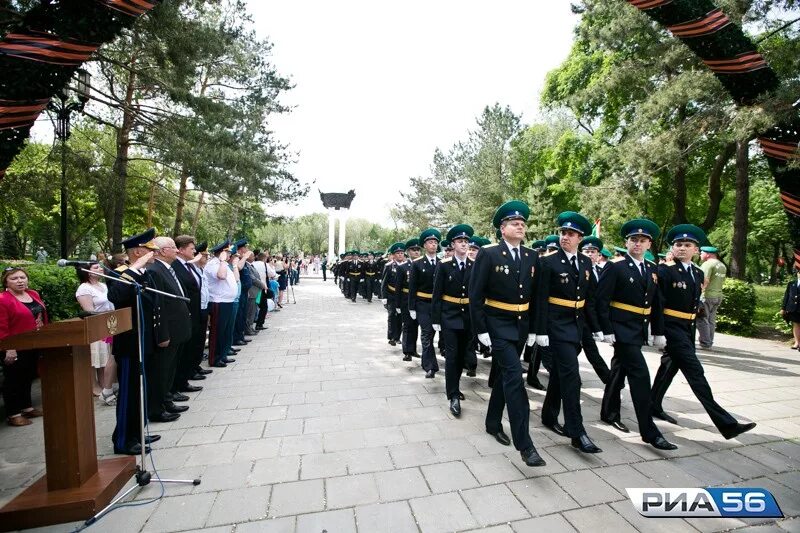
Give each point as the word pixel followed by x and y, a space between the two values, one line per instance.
pixel 780 324
pixel 57 288
pixel 735 315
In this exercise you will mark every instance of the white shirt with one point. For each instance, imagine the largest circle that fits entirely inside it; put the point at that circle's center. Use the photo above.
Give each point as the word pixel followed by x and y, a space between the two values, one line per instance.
pixel 271 274
pixel 220 290
pixel 460 261
pixel 261 268
pixel 99 294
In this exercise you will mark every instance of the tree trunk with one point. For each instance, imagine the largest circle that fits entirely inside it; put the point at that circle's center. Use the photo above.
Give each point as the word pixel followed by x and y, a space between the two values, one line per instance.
pixel 197 212
pixel 679 216
pixel 715 186
pixel 176 229
pixel 151 204
pixel 775 268
pixel 121 164
pixel 740 213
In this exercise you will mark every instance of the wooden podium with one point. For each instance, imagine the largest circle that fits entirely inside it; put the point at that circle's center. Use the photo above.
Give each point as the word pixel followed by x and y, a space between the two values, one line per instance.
pixel 76 485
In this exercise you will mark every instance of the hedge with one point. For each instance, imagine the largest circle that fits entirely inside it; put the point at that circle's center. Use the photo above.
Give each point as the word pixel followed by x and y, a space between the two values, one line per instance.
pixel 56 286
pixel 735 314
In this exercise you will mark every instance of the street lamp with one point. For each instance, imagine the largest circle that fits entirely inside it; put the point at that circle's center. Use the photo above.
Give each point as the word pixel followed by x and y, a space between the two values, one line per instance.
pixel 63 107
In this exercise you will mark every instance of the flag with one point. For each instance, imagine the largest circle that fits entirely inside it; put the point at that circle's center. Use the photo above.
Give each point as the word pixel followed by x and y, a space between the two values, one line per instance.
pixel 596 228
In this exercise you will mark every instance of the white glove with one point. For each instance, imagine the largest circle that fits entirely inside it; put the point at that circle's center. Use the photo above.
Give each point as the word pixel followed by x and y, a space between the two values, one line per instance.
pixel 399 312
pixel 383 301
pixel 412 314
pixel 543 340
pixel 659 341
pixel 437 327
pixel 610 339
pixel 531 339
pixel 484 339
pixel 598 336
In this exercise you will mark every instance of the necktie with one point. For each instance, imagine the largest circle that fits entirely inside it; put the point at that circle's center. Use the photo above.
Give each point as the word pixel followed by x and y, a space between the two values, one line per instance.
pixel 175 277
pixel 461 266
pixel 641 268
pixel 574 262
pixel 516 257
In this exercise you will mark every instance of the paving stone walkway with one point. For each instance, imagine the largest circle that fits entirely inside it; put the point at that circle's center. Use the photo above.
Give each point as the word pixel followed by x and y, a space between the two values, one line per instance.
pixel 319 426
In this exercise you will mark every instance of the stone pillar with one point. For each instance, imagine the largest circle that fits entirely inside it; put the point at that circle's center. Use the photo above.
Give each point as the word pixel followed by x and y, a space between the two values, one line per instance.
pixel 342 226
pixel 331 236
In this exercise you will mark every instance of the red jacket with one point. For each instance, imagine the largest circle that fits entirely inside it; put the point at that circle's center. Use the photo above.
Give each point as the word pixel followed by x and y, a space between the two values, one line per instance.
pixel 14 316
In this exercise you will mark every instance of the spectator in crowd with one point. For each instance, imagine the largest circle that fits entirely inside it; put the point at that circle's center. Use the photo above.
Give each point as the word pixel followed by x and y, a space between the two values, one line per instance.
pixel 222 291
pixel 257 287
pixel 41 255
pixel 714 272
pixel 283 278
pixel 324 267
pixel 191 353
pixel 92 296
pixel 241 328
pixel 21 310
pixel 790 309
pixel 261 265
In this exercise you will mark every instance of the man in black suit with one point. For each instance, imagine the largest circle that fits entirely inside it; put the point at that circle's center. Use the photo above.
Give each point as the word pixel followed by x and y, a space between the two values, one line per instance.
pixel 388 291
pixel 629 308
pixel 420 292
pixel 680 284
pixel 500 288
pixel 410 325
pixel 450 311
pixel 191 352
pixel 564 294
pixel 175 329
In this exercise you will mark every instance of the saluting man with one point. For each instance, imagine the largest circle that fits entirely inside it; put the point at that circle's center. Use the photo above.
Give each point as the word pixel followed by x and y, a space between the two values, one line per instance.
pixel 410 324
pixel 450 313
pixel 389 291
pixel 680 283
pixel 420 293
pixel 500 288
pixel 628 306
pixel 564 293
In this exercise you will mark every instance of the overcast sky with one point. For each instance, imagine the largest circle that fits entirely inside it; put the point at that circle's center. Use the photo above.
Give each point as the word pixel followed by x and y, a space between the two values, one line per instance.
pixel 379 86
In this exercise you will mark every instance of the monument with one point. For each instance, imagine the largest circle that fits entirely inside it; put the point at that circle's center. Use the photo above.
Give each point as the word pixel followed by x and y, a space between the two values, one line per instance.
pixel 337 204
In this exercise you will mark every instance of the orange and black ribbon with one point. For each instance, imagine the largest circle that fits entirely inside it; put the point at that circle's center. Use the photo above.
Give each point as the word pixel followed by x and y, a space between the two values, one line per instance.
pixel 14 114
pixel 39 46
pixel 781 150
pixel 711 23
pixel 648 4
pixel 133 8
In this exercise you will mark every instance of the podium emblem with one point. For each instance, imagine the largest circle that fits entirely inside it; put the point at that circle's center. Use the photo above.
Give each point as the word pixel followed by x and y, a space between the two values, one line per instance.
pixel 112 324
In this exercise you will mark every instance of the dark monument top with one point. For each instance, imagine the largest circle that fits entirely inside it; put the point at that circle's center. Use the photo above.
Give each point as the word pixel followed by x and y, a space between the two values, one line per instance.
pixel 337 200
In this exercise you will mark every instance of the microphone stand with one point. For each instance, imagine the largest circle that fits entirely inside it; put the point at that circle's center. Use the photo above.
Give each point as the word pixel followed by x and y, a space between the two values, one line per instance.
pixel 143 477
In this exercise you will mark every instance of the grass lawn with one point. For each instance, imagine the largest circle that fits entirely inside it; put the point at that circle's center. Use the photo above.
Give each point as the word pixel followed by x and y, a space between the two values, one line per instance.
pixel 768 302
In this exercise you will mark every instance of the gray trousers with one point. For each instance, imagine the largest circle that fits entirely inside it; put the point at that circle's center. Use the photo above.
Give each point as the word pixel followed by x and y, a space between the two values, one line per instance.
pixel 252 310
pixel 707 323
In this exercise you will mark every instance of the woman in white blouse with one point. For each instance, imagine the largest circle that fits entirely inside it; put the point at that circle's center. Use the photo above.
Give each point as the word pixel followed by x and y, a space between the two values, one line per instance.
pixel 92 295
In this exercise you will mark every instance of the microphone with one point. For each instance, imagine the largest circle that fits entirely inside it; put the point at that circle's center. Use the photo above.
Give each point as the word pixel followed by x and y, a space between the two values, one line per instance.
pixel 68 263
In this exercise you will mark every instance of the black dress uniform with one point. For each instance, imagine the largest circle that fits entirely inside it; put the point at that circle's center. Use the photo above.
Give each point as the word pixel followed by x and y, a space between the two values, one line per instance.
pixel 420 293
pixel 500 288
pixel 791 301
pixel 588 344
pixel 564 293
pixel 628 305
pixel 410 327
pixel 353 278
pixel 451 312
pixel 369 275
pixel 388 292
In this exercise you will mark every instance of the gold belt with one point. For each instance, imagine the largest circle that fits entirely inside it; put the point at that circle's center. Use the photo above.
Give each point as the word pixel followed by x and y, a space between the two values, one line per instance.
pixel 391 288
pixel 680 314
pixel 515 308
pixel 424 295
pixel 631 308
pixel 405 290
pixel 355 273
pixel 369 273
pixel 567 303
pixel 454 300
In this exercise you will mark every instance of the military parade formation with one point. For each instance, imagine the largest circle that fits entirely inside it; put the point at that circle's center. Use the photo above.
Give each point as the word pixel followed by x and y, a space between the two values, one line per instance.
pixel 544 305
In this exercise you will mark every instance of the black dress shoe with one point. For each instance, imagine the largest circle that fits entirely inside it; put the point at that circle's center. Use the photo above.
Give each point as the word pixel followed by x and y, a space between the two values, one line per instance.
pixel 461 396
pixel 191 388
pixel 532 457
pixel 149 439
pixel 415 354
pixel 261 328
pixel 132 449
pixel 178 397
pixel 430 374
pixel 406 357
pixel 246 340
pixel 556 428
pixel 536 384
pixel 392 343
pixel 737 430
pixel 240 343
pixel 234 350
pixel 221 364
pixel 455 407
pixel 661 415
pixel 165 417
pixel 175 409
pixel 618 425
pixel 471 373
pixel 230 360
pixel 661 443
pixel 500 437
pixel 197 377
pixel 585 444
pixel 204 371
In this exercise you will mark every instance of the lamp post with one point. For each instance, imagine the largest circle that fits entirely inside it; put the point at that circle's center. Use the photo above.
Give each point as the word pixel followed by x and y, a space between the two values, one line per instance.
pixel 63 105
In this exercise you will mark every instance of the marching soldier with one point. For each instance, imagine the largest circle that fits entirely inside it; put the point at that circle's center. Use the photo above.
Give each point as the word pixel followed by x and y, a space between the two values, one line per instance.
pixel 564 294
pixel 420 292
pixel 680 283
pixel 628 305
pixel 410 324
pixel 500 288
pixel 447 248
pixel 450 313
pixel 353 276
pixel 471 359
pixel 590 247
pixel 369 273
pixel 388 292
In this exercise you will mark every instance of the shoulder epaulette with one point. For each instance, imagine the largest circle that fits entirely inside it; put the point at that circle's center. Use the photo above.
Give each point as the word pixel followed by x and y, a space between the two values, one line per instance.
pixel 670 263
pixel 491 245
pixel 618 259
pixel 122 268
pixel 446 260
pixel 523 247
pixel 548 254
pixel 418 258
pixel 650 263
